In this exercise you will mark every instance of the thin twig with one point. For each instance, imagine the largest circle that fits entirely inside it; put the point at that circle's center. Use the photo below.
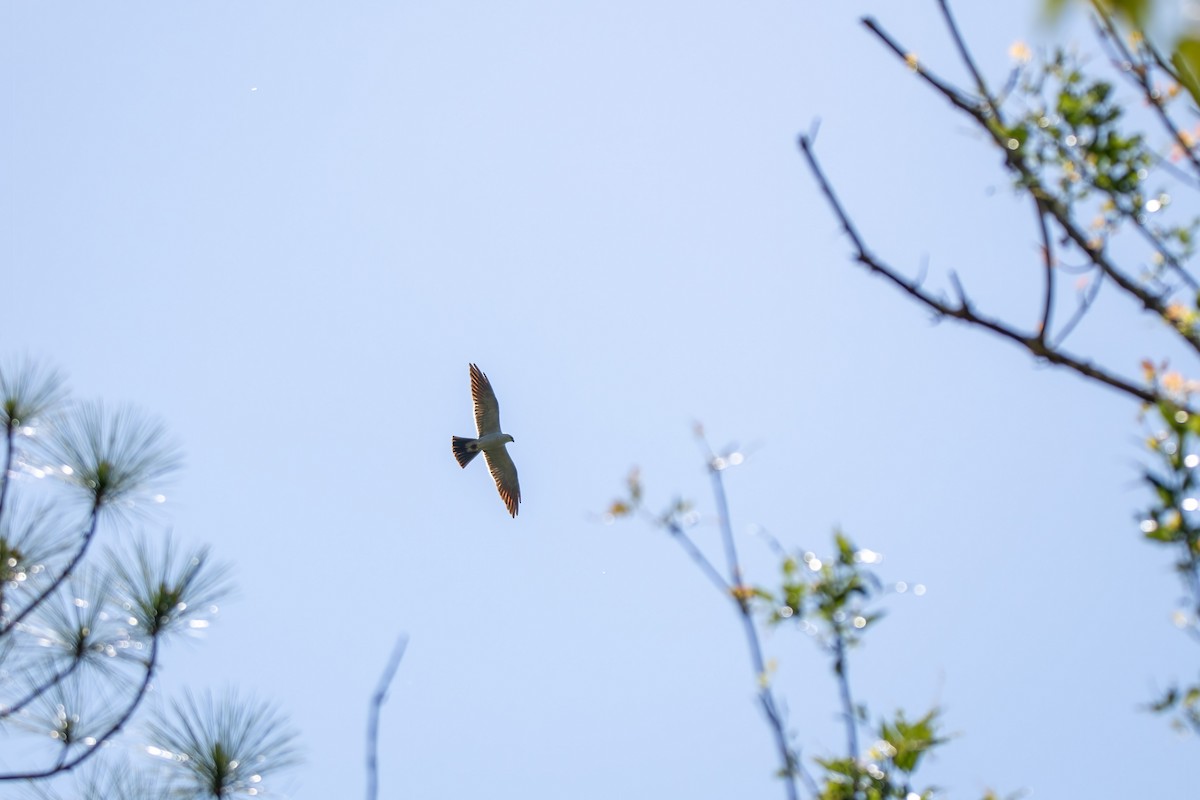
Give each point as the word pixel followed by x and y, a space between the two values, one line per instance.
pixel 711 572
pixel 735 592
pixel 943 88
pixel 377 701
pixel 1048 271
pixel 963 302
pixel 1085 304
pixel 766 697
pixel 841 669
pixel 1155 241
pixel 965 55
pixel 731 555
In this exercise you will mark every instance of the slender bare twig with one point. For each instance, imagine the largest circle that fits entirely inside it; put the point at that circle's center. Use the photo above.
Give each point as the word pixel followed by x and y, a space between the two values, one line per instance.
pixel 965 54
pixel 789 764
pixel 841 669
pixel 740 595
pixel 377 701
pixel 1043 329
pixel 1085 303
pixel 66 572
pixel 962 311
pixel 731 555
pixel 1167 66
pixel 1155 241
pixel 712 573
pixel 946 90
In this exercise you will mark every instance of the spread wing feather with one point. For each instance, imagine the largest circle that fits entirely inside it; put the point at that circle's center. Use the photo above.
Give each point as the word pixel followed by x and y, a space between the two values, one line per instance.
pixel 487 410
pixel 504 472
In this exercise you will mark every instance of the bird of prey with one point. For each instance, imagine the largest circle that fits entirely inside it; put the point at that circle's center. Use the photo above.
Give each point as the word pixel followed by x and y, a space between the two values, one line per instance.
pixel 491 441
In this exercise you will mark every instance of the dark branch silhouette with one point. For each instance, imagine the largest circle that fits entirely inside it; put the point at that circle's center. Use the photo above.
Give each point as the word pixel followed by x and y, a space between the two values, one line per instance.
pixel 962 310
pixel 377 701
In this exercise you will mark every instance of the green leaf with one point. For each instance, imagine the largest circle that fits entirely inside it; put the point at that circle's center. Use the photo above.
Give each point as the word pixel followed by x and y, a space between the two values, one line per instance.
pixel 1160 534
pixel 845 548
pixel 911 740
pixel 1186 60
pixel 840 766
pixel 1018 133
pixel 1135 11
pixel 1053 9
pixel 1166 495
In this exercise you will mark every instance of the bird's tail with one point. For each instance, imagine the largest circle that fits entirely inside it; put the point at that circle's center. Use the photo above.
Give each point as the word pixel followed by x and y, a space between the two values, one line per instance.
pixel 464 449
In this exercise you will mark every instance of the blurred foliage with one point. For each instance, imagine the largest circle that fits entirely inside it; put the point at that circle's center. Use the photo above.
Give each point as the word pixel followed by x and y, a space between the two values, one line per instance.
pixel 833 601
pixel 1080 148
pixel 1137 11
pixel 1172 520
pixel 81 630
pixel 1076 151
pixel 1104 150
pixel 1087 153
pixel 1183 41
pixel 887 770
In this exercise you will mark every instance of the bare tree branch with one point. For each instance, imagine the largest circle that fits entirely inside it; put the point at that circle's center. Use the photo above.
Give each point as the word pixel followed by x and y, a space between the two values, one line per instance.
pixel 789 763
pixel 962 310
pixel 965 54
pixel 377 701
pixel 697 555
pixel 791 768
pixel 841 669
pixel 1048 270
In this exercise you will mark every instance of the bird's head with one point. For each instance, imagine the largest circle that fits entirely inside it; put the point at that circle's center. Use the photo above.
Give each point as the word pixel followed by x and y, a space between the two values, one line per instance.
pixel 508 438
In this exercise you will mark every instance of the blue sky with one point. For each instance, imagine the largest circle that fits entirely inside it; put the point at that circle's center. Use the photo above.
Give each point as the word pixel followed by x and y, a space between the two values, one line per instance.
pixel 286 229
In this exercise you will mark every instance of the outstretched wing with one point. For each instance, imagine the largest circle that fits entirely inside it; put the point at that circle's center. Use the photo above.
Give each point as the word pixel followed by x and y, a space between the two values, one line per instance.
pixel 504 472
pixel 487 410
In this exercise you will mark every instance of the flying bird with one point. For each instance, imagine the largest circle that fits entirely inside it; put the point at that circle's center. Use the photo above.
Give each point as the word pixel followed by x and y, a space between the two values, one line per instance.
pixel 491 441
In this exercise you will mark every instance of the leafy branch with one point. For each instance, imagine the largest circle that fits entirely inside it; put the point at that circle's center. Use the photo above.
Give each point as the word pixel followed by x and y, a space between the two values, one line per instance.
pixel 1065 141
pixel 1061 156
pixel 827 597
pixel 82 629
